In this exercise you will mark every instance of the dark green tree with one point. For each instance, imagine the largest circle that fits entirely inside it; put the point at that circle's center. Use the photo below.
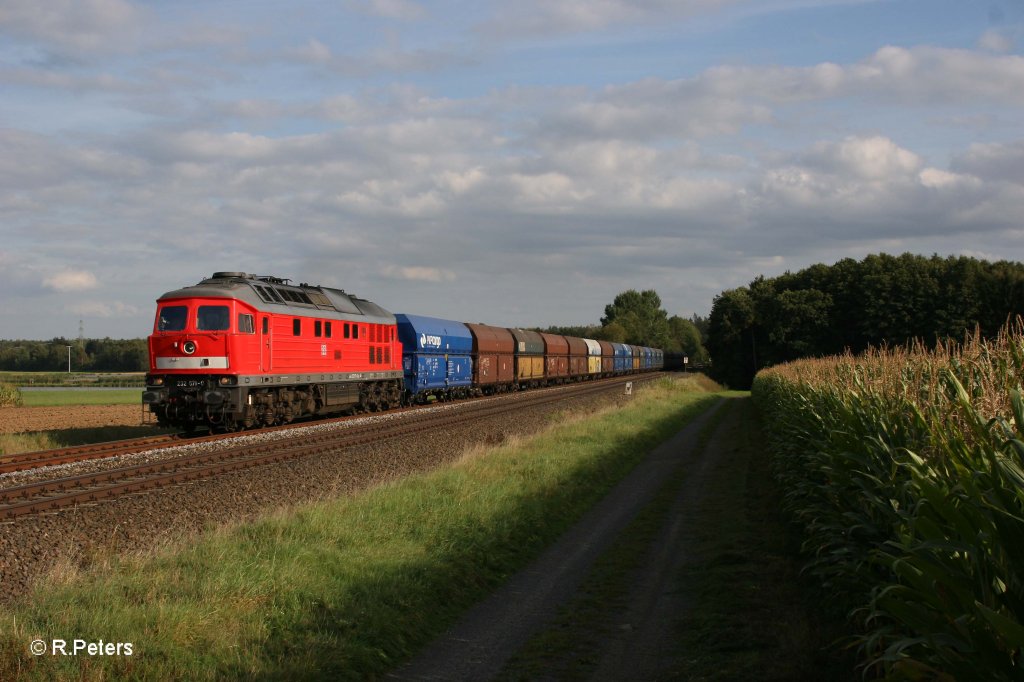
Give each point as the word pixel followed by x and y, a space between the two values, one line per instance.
pixel 640 314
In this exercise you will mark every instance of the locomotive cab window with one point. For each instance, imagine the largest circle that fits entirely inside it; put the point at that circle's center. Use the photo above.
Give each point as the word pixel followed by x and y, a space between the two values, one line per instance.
pixel 172 318
pixel 318 328
pixel 246 324
pixel 327 329
pixel 296 327
pixel 213 318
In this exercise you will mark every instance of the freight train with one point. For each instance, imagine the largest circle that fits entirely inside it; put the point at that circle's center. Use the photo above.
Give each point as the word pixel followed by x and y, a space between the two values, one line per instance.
pixel 237 351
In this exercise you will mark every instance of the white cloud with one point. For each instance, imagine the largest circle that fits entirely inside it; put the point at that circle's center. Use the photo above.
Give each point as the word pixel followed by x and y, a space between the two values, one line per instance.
pixel 868 158
pixel 998 161
pixel 105 309
pixel 419 273
pixel 995 41
pixel 543 18
pixel 70 280
pixel 82 26
pixel 405 10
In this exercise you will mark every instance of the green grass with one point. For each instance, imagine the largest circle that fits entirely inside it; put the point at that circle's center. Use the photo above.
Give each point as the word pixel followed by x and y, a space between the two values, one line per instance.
pixel 344 589
pixel 14 443
pixel 61 398
pixel 73 378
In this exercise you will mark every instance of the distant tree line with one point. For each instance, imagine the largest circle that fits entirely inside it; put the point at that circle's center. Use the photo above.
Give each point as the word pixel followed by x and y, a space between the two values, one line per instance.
pixel 636 317
pixel 881 300
pixel 87 355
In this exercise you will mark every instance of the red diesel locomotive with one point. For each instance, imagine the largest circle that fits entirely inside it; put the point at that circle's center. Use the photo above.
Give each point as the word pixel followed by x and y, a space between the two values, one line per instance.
pixel 239 350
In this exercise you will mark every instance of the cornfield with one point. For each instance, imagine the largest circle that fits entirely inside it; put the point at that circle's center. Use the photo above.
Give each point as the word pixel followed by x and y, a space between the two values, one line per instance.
pixel 904 467
pixel 9 395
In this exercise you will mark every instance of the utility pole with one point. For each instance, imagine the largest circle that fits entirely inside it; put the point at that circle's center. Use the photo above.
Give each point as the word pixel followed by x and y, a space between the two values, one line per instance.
pixel 69 359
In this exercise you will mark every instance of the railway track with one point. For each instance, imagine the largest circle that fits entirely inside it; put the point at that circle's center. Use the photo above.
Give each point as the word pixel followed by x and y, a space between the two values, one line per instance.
pixel 91 487
pixel 43 458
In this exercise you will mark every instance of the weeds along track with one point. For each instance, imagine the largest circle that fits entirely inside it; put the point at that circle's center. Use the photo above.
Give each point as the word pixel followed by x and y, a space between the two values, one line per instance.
pixel 44 458
pixel 203 461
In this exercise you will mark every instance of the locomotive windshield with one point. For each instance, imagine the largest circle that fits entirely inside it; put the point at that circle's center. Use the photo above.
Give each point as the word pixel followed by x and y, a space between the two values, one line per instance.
pixel 213 318
pixel 172 318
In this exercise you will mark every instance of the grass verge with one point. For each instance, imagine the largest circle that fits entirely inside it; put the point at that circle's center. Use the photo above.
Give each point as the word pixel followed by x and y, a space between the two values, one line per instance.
pixel 70 398
pixel 343 589
pixel 15 443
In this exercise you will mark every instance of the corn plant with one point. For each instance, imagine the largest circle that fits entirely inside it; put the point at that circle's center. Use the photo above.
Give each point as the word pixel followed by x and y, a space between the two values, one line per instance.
pixel 905 469
pixel 9 396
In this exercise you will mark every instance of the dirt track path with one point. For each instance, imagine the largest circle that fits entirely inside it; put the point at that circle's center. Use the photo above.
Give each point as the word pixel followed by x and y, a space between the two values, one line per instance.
pixel 478 647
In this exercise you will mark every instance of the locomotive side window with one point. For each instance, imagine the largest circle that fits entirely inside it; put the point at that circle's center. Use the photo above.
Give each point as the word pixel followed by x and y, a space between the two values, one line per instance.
pixel 327 329
pixel 172 318
pixel 355 331
pixel 346 330
pixel 246 324
pixel 296 327
pixel 266 325
pixel 213 318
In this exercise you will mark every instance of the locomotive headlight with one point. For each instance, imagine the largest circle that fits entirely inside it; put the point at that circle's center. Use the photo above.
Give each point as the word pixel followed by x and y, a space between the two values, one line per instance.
pixel 227 381
pixel 189 347
pixel 156 381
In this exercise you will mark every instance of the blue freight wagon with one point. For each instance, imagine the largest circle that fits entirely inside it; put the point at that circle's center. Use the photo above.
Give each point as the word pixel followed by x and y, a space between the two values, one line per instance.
pixel 436 357
pixel 623 357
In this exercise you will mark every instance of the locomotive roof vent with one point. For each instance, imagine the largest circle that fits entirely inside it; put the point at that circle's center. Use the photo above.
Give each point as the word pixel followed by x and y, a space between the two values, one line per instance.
pixel 229 275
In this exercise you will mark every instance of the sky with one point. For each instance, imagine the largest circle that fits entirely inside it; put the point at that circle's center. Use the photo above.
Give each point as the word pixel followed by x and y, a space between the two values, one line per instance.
pixel 513 163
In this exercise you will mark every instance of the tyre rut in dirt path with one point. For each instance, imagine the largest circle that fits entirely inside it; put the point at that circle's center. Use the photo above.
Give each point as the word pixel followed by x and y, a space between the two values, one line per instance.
pixel 645 644
pixel 479 645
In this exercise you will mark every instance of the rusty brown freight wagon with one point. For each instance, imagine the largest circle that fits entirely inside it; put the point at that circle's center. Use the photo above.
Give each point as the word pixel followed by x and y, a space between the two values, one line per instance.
pixel 577 357
pixel 637 354
pixel 556 357
pixel 493 357
pixel 607 357
pixel 529 356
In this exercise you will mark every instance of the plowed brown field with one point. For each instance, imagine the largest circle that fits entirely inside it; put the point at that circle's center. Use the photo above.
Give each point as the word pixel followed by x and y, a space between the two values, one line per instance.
pixel 21 419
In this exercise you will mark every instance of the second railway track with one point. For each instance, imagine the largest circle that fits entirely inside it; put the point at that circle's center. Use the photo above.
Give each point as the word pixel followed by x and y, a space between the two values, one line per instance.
pixel 67 491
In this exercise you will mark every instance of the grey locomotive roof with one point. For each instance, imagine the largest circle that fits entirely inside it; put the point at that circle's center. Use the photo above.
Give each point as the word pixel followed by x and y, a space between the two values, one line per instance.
pixel 273 294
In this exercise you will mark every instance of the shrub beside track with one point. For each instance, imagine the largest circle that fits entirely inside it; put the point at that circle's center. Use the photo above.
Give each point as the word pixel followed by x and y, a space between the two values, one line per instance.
pixel 905 468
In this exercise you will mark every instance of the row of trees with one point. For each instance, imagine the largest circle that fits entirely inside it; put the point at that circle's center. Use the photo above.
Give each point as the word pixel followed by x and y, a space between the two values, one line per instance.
pixel 883 299
pixel 637 317
pixel 87 355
